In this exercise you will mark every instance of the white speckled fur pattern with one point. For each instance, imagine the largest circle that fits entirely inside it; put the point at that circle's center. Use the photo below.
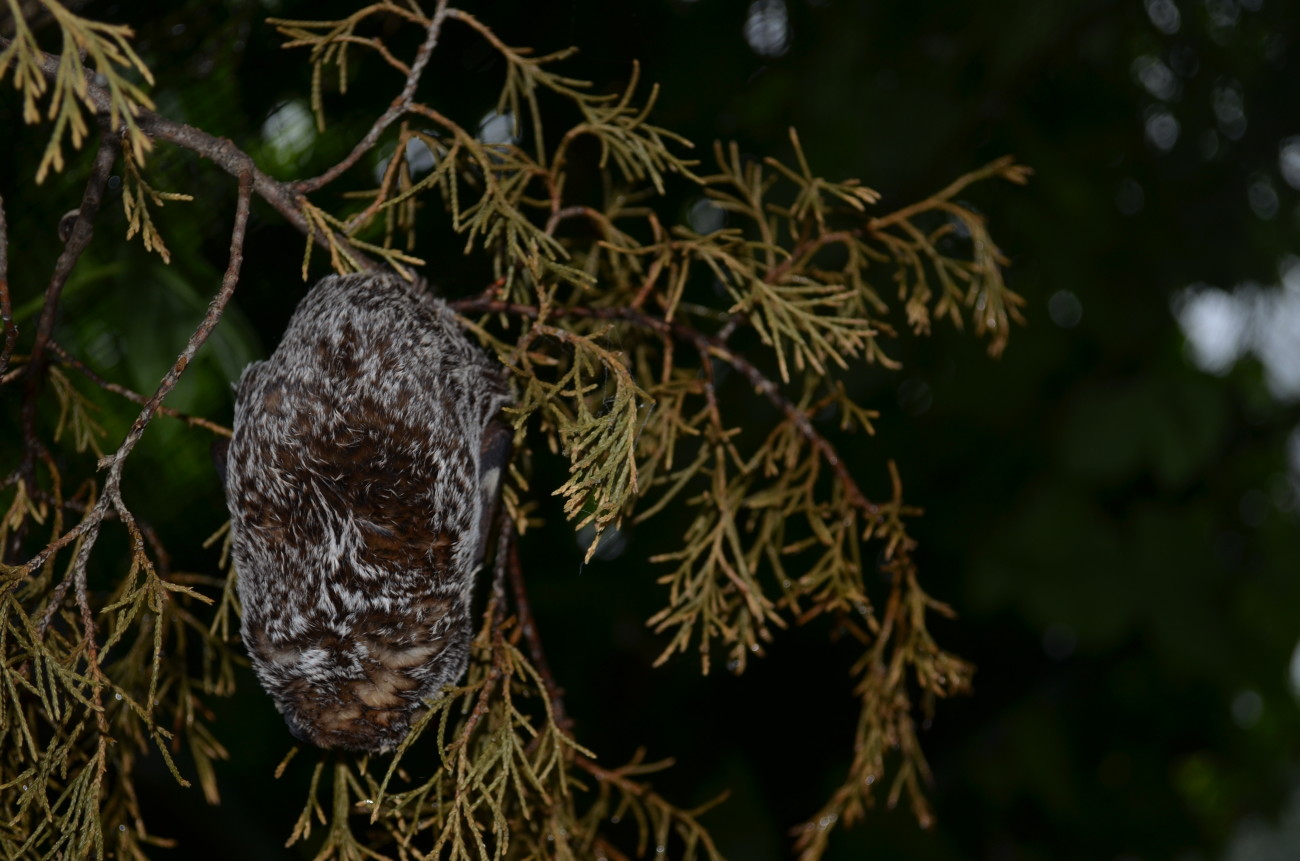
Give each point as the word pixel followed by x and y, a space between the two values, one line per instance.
pixel 357 484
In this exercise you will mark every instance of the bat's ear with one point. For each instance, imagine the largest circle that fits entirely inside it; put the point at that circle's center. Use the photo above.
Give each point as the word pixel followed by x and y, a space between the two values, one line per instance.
pixel 494 459
pixel 220 449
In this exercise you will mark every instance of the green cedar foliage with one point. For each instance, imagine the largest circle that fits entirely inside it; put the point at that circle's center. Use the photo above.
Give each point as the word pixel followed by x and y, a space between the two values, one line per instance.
pixel 620 327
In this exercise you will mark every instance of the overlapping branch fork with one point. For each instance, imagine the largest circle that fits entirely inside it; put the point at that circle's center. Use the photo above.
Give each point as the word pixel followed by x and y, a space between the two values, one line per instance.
pixel 622 329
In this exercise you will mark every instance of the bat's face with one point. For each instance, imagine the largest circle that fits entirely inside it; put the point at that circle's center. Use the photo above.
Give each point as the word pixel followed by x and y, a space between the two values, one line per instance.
pixel 363 688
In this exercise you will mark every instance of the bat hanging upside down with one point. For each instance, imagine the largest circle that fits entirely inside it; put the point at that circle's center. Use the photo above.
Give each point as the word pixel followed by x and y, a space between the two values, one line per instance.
pixel 361 480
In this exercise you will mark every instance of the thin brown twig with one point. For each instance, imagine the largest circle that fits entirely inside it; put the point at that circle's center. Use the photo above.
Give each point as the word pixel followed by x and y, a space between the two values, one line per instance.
pixel 807 249
pixel 147 531
pixel 79 236
pixel 6 309
pixel 769 389
pixel 135 397
pixel 83 229
pixel 558 215
pixel 88 528
pixel 374 43
pixel 495 619
pixel 613 776
pixel 284 197
pixel 618 778
pixel 656 265
pixel 1004 166
pixel 216 309
pixel 400 106
pixel 384 193
pixel 707 345
pixel 609 850
pixel 528 625
pixel 711 394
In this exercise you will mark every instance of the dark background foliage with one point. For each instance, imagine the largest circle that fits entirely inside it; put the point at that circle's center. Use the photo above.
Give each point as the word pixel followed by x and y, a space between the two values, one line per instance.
pixel 1115 524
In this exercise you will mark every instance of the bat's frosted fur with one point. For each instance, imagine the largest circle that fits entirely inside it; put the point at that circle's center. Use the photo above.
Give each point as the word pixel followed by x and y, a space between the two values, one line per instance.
pixel 360 479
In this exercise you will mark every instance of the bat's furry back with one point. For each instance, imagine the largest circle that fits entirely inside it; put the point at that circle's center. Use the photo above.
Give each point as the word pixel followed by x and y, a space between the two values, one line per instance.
pixel 360 480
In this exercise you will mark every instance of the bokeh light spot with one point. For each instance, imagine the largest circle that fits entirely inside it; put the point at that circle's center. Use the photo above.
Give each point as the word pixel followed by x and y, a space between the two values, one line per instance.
pixel 767 28
pixel 1065 309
